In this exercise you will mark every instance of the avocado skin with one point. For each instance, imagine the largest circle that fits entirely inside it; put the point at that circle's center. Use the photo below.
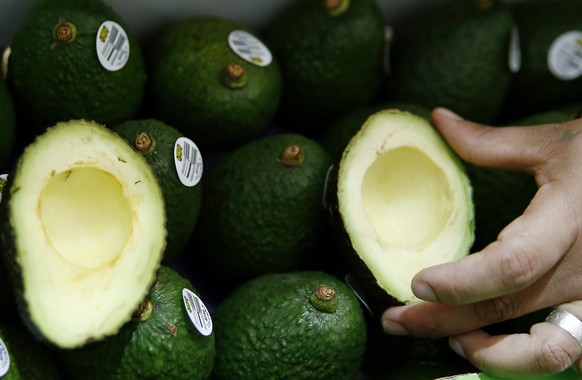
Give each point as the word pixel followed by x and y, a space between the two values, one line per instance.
pixel 7 124
pixel 182 203
pixel 329 64
pixel 534 87
pixel 455 56
pixel 259 215
pixel 268 329
pixel 29 358
pixel 185 62
pixel 66 81
pixel 165 346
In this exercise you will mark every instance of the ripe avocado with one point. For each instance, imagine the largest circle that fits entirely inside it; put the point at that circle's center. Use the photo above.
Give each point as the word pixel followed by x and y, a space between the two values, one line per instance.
pixel 204 81
pixel 262 207
pixel 550 75
pixel 161 145
pixel 332 59
pixel 399 200
pixel 55 69
pixel 7 123
pixel 82 232
pixel 22 357
pixel 292 325
pixel 455 56
pixel 160 342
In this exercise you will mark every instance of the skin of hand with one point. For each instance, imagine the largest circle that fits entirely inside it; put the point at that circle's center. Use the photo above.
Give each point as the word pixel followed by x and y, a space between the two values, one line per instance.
pixel 535 263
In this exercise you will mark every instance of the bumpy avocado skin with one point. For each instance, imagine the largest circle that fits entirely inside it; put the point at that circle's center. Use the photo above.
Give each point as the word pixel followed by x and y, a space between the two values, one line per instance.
pixel 330 64
pixel 164 346
pixel 268 329
pixel 455 56
pixel 56 81
pixel 182 202
pixel 7 124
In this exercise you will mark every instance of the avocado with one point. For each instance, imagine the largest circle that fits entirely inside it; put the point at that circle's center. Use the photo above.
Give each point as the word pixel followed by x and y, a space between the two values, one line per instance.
pixel 454 55
pixel 7 123
pixel 213 79
pixel 22 357
pixel 568 374
pixel 177 164
pixel 82 230
pixel 332 59
pixel 338 133
pixel 550 75
pixel 291 325
pixel 399 200
pixel 74 59
pixel 171 336
pixel 262 208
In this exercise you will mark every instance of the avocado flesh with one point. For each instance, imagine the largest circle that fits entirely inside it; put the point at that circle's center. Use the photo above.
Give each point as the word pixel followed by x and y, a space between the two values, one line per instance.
pixel 404 200
pixel 85 232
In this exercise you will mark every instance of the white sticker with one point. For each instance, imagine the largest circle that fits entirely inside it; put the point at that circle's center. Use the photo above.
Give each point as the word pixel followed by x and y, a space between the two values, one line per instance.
pixel 188 161
pixel 197 311
pixel 514 60
pixel 3 179
pixel 249 48
pixel 565 56
pixel 4 359
pixel 112 46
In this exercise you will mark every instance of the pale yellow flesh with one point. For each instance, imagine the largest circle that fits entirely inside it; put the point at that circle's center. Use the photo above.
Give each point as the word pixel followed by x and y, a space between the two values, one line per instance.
pixel 405 201
pixel 89 225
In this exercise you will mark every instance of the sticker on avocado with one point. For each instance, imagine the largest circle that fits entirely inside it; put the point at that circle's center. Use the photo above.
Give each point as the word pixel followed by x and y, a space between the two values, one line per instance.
pixel 112 46
pixel 514 60
pixel 249 48
pixel 3 179
pixel 4 359
pixel 197 311
pixel 565 56
pixel 188 161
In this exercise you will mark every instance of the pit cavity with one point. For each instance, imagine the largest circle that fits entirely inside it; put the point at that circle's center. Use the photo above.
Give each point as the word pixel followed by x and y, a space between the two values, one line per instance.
pixel 86 216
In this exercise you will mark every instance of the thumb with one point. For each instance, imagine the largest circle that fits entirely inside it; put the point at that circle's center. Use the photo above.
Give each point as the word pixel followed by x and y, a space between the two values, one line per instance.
pixel 483 145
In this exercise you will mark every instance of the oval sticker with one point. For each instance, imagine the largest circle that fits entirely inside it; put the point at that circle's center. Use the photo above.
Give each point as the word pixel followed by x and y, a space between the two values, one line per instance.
pixel 565 56
pixel 188 161
pixel 249 48
pixel 4 359
pixel 112 46
pixel 197 311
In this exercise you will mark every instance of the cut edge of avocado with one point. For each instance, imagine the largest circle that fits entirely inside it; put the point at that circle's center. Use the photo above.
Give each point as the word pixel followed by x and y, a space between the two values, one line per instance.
pixel 403 201
pixel 84 232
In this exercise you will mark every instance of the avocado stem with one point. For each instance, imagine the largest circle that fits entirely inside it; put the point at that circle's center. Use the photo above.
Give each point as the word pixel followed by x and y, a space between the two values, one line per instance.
pixel 336 7
pixel 324 298
pixel 143 312
pixel 145 143
pixel 65 31
pixel 234 76
pixel 292 156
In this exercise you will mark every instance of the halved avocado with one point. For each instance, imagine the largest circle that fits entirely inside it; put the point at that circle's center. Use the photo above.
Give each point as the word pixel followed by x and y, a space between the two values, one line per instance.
pixel 83 232
pixel 401 201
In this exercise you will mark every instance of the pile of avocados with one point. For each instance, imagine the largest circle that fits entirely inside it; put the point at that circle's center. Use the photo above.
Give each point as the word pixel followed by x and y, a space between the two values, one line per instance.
pixel 213 201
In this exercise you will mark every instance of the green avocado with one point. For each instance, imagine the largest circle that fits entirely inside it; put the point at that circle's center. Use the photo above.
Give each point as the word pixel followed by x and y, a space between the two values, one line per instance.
pixel 74 59
pixel 178 165
pixel 162 341
pixel 293 325
pixel 213 79
pixel 82 231
pixel 332 59
pixel 456 56
pixel 22 357
pixel 7 123
pixel 550 75
pixel 262 208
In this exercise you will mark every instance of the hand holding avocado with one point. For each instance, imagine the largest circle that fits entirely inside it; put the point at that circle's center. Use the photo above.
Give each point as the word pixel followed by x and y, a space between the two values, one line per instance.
pixel 535 263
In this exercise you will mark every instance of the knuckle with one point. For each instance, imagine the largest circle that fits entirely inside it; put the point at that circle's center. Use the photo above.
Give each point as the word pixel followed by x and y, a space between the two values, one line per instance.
pixel 554 358
pixel 517 268
pixel 494 309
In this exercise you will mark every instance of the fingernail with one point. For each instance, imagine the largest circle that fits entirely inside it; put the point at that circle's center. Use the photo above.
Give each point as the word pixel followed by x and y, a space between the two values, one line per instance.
pixel 393 328
pixel 457 347
pixel 447 113
pixel 423 291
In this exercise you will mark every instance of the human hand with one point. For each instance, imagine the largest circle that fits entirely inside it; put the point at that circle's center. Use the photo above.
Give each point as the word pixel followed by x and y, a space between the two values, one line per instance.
pixel 535 263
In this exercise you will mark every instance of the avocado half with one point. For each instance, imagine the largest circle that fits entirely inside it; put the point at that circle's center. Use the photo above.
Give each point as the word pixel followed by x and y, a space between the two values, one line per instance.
pixel 82 232
pixel 400 201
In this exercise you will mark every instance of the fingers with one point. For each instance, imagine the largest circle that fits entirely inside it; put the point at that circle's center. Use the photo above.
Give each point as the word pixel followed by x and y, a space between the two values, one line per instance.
pixel 546 349
pixel 507 147
pixel 526 250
